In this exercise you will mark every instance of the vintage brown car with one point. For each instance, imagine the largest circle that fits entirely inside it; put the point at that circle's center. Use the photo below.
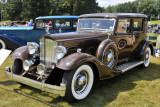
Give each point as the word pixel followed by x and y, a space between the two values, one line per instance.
pixel 104 45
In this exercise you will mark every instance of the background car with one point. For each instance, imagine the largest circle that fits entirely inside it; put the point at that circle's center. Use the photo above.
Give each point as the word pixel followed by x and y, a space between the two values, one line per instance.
pixel 14 37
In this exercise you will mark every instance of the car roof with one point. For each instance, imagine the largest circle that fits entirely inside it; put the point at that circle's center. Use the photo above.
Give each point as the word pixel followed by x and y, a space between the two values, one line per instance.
pixel 113 15
pixel 57 17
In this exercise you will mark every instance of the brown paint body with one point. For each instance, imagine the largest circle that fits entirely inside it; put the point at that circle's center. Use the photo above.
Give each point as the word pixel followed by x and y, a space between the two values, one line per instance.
pixel 93 45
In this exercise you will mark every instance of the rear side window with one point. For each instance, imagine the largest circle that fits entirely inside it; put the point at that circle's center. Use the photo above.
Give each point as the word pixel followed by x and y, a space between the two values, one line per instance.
pixel 124 26
pixel 138 25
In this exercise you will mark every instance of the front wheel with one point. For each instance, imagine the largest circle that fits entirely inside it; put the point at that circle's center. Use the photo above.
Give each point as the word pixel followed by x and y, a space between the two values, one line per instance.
pixel 79 83
pixel 146 57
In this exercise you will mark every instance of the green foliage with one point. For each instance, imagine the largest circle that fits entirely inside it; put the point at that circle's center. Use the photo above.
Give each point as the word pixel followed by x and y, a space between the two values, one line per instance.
pixel 30 9
pixel 149 7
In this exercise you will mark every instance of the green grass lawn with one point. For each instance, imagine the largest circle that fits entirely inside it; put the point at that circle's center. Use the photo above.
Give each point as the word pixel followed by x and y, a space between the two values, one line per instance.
pixel 135 88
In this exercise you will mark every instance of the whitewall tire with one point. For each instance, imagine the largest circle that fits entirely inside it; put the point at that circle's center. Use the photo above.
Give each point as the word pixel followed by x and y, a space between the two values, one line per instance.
pixel 147 57
pixel 79 83
pixel 2 44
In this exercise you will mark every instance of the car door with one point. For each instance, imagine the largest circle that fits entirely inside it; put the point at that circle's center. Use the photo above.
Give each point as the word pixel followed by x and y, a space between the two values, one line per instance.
pixel 138 31
pixel 124 37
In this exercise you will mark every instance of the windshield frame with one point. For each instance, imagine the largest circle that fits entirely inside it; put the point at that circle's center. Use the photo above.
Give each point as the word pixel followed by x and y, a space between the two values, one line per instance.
pixel 90 29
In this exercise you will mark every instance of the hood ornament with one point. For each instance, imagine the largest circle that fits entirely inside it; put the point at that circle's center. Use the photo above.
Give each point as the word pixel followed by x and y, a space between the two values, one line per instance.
pixel 47 29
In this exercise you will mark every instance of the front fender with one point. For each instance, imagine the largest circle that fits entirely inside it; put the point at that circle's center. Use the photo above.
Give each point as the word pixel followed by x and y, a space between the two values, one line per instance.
pixel 76 59
pixel 21 53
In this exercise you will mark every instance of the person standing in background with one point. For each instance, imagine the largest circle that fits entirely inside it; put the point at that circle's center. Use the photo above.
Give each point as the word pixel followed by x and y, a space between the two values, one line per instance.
pixel 26 25
pixel 30 24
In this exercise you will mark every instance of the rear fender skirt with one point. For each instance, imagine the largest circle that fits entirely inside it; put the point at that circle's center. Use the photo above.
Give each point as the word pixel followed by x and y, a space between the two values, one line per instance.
pixel 76 59
pixel 10 44
pixel 147 44
pixel 21 53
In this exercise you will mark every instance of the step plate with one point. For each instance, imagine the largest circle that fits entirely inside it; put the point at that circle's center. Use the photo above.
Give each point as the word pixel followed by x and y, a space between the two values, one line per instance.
pixel 127 66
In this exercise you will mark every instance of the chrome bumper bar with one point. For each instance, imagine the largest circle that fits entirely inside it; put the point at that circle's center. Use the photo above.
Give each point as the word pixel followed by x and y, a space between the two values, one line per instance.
pixel 39 85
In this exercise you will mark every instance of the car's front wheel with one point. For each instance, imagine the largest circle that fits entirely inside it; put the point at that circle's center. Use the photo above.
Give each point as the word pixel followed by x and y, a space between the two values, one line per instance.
pixel 79 83
pixel 146 57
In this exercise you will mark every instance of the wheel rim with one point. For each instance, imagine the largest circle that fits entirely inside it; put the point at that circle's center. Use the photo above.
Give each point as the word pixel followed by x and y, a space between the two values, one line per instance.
pixel 110 57
pixel 81 82
pixel 147 57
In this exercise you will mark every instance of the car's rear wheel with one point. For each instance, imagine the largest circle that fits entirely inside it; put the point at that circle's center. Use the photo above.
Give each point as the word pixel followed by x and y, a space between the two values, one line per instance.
pixel 79 83
pixel 146 57
pixel 2 44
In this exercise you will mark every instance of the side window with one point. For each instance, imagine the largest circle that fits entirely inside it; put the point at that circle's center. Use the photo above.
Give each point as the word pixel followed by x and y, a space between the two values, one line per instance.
pixel 138 25
pixel 43 23
pixel 62 23
pixel 124 26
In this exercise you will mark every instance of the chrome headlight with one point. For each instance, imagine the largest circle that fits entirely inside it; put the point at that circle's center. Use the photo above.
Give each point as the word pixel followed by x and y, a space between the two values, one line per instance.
pixel 27 64
pixel 41 69
pixel 32 47
pixel 60 52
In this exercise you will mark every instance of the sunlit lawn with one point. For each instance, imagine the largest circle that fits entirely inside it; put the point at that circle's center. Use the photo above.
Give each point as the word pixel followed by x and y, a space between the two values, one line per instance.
pixel 137 87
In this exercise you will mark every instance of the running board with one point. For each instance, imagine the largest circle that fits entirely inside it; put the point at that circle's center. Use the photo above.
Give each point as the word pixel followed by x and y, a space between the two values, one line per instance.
pixel 127 66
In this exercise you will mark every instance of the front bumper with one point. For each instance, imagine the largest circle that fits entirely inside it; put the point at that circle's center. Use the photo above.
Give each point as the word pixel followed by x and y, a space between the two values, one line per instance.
pixel 36 84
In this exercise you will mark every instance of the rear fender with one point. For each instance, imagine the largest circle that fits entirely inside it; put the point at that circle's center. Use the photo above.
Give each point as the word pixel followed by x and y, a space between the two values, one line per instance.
pixel 21 53
pixel 10 42
pixel 76 59
pixel 147 44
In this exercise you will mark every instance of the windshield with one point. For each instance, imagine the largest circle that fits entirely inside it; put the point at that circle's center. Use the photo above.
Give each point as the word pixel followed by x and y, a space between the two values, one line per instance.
pixel 96 24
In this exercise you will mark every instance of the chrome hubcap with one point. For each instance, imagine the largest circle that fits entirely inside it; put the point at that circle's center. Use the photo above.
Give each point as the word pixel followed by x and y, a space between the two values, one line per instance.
pixel 81 82
pixel 110 58
pixel 147 57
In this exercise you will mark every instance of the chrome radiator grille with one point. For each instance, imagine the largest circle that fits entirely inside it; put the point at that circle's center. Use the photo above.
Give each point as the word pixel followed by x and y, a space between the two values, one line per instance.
pixel 47 52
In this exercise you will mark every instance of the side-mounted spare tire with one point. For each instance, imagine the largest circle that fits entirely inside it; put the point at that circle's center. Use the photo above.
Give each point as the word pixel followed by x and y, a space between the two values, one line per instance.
pixel 107 52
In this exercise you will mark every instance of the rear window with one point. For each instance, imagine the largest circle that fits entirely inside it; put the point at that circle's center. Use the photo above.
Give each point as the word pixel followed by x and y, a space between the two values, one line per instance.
pixel 138 25
pixel 62 23
pixel 43 23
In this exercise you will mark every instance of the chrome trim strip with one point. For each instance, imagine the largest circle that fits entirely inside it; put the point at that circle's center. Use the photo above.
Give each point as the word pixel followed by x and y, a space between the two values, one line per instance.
pixel 124 70
pixel 39 85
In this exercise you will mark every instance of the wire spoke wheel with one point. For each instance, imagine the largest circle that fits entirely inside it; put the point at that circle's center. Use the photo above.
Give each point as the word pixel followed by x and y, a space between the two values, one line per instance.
pixel 79 83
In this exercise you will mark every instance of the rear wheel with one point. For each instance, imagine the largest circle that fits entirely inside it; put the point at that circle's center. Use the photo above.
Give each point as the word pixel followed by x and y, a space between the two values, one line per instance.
pixel 146 57
pixel 2 44
pixel 79 83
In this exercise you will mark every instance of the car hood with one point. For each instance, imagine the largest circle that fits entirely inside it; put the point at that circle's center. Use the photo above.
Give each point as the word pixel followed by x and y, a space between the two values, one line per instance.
pixel 75 36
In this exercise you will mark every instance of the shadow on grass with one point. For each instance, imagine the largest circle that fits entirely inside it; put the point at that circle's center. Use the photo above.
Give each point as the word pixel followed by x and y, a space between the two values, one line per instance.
pixel 8 83
pixel 103 92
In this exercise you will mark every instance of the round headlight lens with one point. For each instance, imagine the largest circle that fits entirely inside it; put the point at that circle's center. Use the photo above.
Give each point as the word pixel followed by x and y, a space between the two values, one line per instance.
pixel 60 52
pixel 41 69
pixel 27 64
pixel 32 47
